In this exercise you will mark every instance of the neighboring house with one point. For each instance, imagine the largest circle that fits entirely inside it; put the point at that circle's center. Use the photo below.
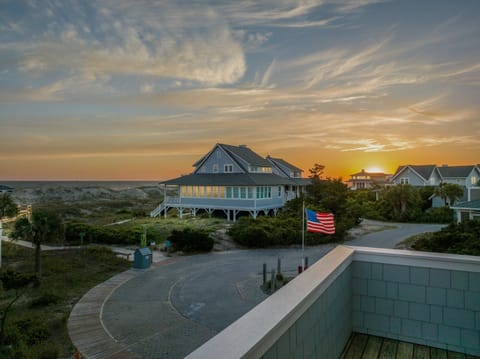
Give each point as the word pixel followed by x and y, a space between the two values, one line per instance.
pixel 417 176
pixel 467 210
pixel 465 176
pixel 365 180
pixel 431 175
pixel 233 179
pixel 5 189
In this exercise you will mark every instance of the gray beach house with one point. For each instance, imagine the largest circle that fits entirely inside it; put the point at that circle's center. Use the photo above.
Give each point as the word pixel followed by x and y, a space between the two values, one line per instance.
pixel 233 179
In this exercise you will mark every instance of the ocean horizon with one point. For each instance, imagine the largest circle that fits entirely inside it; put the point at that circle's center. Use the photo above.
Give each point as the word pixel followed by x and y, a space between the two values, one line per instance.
pixel 118 184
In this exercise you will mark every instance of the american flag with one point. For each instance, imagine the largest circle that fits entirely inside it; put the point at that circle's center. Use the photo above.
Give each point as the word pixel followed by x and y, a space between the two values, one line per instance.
pixel 320 222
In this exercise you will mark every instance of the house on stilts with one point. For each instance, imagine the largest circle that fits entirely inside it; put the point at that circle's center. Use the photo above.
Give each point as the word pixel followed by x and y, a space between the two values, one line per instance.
pixel 233 179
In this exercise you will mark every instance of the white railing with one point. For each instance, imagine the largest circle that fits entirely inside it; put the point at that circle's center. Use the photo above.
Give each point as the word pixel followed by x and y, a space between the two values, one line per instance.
pixel 157 211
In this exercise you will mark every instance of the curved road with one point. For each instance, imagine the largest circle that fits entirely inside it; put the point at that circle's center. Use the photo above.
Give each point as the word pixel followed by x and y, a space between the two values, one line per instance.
pixel 170 310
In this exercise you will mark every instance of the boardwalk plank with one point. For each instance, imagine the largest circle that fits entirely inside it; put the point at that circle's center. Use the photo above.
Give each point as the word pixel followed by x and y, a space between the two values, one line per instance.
pixel 372 348
pixel 436 353
pixel 455 355
pixel 421 352
pixel 389 349
pixel 357 346
pixel 404 351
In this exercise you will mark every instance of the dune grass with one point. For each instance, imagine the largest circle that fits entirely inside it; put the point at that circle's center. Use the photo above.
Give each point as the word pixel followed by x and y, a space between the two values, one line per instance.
pixel 37 324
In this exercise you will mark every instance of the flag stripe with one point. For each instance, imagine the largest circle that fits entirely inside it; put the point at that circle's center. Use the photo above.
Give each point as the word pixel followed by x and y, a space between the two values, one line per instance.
pixel 320 222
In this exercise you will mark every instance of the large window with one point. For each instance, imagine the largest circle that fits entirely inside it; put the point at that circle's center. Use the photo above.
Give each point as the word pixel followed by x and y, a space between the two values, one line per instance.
pixel 264 192
pixel 234 192
pixel 474 180
pixel 238 192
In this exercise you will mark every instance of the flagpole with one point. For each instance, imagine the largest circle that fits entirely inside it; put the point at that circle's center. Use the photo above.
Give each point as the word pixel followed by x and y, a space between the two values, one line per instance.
pixel 303 235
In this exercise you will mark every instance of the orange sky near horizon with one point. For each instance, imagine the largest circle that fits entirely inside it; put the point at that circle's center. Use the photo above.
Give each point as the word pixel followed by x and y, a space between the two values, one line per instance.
pixel 156 168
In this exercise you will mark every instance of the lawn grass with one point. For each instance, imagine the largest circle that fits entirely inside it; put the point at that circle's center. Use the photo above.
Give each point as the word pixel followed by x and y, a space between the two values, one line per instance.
pixel 38 322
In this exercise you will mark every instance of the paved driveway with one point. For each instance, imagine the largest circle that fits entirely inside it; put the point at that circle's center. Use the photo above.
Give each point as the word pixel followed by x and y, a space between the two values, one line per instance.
pixel 169 311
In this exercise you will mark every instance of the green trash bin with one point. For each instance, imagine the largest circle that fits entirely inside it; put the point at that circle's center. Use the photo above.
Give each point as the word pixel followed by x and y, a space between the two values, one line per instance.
pixel 142 258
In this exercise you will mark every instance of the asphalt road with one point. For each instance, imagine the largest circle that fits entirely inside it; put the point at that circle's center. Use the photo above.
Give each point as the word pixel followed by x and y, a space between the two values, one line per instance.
pixel 170 310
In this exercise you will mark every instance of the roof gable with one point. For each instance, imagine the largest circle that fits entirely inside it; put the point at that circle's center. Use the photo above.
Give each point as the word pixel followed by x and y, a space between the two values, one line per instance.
pixel 283 165
pixel 245 154
pixel 218 147
pixel 423 171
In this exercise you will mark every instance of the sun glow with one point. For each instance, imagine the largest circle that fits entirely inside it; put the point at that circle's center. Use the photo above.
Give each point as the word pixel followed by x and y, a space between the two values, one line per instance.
pixel 374 169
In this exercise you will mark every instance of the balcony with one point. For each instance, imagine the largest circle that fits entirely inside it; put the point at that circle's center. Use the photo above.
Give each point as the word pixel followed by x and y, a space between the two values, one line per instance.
pixel 425 299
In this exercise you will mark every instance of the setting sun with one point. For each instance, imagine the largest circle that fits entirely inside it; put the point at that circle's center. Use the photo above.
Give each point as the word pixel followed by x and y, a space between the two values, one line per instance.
pixel 374 169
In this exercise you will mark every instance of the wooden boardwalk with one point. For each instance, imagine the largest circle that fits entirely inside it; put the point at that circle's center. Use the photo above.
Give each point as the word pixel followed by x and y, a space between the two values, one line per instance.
pixel 362 346
pixel 85 327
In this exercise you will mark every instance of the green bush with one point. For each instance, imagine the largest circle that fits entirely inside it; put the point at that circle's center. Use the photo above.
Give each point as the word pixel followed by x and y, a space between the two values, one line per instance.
pixel 276 231
pixel 101 234
pixel 44 350
pixel 461 238
pixel 190 240
pixel 48 297
pixel 437 215
pixel 30 330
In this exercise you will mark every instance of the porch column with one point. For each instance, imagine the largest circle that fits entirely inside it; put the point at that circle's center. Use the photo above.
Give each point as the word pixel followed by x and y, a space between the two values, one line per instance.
pixel 459 215
pixel 235 212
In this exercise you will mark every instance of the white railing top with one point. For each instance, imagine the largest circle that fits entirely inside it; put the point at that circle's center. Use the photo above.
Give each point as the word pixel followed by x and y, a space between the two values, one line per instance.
pixel 417 258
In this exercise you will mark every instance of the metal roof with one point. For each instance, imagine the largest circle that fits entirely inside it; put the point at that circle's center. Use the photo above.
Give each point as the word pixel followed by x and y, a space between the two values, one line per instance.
pixel 468 205
pixel 455 171
pixel 280 162
pixel 246 154
pixel 231 179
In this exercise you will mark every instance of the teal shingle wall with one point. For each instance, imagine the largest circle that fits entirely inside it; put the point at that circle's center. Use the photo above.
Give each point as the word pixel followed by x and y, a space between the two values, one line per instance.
pixel 435 307
pixel 323 330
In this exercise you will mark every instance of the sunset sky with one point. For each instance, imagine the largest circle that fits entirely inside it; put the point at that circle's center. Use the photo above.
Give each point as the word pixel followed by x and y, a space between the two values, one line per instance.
pixel 122 89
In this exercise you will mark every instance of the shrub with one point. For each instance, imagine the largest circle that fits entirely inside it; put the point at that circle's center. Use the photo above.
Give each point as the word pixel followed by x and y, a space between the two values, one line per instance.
pixel 278 231
pixel 190 240
pixel 100 234
pixel 437 215
pixel 462 238
pixel 30 329
pixel 48 297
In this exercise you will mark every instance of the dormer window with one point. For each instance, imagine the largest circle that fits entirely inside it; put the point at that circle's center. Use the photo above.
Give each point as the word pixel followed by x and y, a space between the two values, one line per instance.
pixel 256 169
pixel 228 168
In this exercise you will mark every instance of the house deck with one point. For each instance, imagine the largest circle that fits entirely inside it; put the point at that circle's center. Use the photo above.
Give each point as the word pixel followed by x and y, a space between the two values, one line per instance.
pixel 362 346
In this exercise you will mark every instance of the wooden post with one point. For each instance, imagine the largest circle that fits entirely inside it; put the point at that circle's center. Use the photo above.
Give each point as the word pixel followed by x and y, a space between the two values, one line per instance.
pixel 272 282
pixel 264 273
